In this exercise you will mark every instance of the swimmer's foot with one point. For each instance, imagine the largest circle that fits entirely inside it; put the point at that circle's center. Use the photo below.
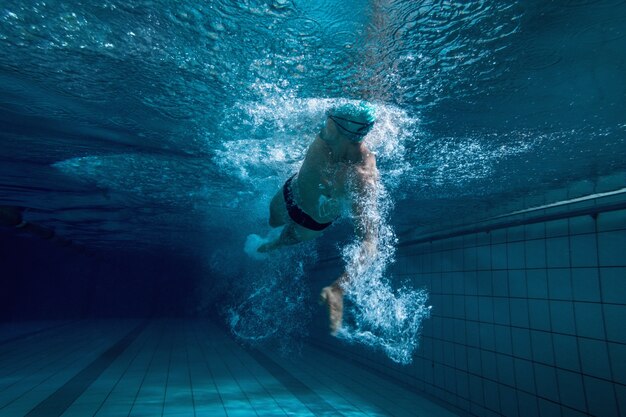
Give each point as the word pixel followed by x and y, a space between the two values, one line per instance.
pixel 333 297
pixel 253 246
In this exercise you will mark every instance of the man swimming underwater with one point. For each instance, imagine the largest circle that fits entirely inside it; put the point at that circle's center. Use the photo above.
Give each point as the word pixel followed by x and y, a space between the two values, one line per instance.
pixel 338 171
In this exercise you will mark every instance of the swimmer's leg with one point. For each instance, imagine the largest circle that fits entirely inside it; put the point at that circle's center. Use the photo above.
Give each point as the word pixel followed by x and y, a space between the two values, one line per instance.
pixel 257 246
pixel 278 211
pixel 291 234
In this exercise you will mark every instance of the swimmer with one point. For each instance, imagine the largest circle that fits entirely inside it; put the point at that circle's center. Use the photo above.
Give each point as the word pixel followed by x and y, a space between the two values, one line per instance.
pixel 338 171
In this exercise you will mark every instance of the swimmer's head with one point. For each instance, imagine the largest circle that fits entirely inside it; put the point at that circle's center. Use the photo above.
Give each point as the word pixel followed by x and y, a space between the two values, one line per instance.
pixel 354 120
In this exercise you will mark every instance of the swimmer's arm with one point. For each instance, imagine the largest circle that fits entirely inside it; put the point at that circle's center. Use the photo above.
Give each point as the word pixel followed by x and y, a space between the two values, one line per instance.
pixel 367 216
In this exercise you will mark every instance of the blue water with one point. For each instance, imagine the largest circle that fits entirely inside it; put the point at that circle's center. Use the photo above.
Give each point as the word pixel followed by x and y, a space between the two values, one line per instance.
pixel 168 126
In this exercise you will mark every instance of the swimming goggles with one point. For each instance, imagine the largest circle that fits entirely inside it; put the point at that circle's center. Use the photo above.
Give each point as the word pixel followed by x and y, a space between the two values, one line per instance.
pixel 361 131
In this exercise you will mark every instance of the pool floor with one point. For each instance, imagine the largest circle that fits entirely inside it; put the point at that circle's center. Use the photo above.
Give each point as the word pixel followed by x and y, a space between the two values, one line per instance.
pixel 181 368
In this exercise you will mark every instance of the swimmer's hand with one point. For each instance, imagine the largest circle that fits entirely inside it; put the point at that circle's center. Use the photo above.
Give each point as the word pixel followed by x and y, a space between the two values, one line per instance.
pixel 332 296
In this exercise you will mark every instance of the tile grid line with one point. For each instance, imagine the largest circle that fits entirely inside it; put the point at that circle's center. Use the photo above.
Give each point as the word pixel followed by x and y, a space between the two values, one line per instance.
pixel 346 373
pixel 606 344
pixel 254 375
pixel 193 399
pixel 410 387
pixel 578 338
pixel 60 400
pixel 291 383
pixel 549 331
pixel 509 355
pixel 320 380
pixel 143 379
pixel 169 367
pixel 36 332
pixel 215 349
pixel 130 363
pixel 77 347
pixel 206 362
pixel 508 290
pixel 59 341
pixel 437 399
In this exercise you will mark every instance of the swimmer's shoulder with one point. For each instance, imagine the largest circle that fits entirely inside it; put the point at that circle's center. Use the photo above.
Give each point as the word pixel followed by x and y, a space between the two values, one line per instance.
pixel 317 150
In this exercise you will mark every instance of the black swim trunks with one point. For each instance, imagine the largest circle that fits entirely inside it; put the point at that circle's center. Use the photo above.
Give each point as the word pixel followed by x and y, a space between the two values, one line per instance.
pixel 296 213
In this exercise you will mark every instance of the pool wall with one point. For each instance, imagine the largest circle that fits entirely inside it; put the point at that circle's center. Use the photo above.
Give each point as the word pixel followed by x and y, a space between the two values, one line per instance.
pixel 528 309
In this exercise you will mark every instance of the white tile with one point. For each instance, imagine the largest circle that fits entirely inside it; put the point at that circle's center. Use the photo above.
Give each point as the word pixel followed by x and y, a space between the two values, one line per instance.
pixel 500 283
pixel 483 279
pixel 501 313
pixel 586 284
pixel 612 220
pixel 517 283
pixel 508 401
pixel 471 307
pixel 474 362
pixel 503 339
pixel 458 283
pixel 539 314
pixel 542 347
pixel 515 255
pixel 582 224
pixel 519 312
pixel 584 251
pixel 485 309
pixel 562 316
pixel 469 258
pixel 600 397
pixel 535 253
pixel 613 282
pixel 566 348
pixel 621 396
pixel 524 375
pixel 472 333
pixel 498 256
pixel 558 252
pixel 515 234
pixel 462 385
pixel 557 228
pixel 460 357
pixel 488 359
pixel 476 389
pixel 537 282
pixel 617 353
pixel 545 378
pixel 527 404
pixel 615 320
pixel 506 373
pixel 498 236
pixel 470 282
pixel 548 408
pixel 521 343
pixel 589 321
pixel 483 258
pixel 594 358
pixel 458 303
pixel 492 396
pixel 446 283
pixel 535 231
pixel 612 248
pixel 559 284
pixel 571 390
pixel 487 340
